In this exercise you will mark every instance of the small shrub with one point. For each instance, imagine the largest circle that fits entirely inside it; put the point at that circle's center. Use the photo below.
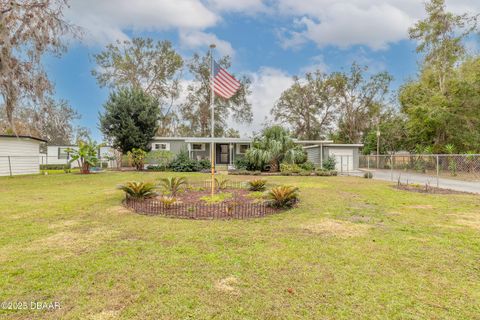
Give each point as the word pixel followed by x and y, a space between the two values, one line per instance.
pixel 173 185
pixel 183 163
pixel 329 163
pixel 243 163
pixel 54 166
pixel 139 190
pixel 137 158
pixel 368 175
pixel 221 183
pixel 168 201
pixel 290 167
pixel 159 160
pixel 257 185
pixel 326 173
pixel 204 164
pixel 307 166
pixel 305 173
pixel 283 196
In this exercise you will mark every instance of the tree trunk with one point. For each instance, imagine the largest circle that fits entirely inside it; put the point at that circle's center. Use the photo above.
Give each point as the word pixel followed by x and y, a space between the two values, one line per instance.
pixel 274 166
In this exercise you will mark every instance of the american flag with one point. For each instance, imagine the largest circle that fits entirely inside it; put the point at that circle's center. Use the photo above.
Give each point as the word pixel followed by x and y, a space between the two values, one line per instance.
pixel 225 85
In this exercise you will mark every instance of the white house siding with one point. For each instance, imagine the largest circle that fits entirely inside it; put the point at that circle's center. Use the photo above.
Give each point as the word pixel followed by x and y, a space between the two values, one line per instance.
pixel 23 153
pixel 52 156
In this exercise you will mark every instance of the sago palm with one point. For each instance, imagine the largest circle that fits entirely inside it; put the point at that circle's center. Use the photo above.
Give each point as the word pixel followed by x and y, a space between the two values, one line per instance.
pixel 173 185
pixel 257 185
pixel 139 190
pixel 283 196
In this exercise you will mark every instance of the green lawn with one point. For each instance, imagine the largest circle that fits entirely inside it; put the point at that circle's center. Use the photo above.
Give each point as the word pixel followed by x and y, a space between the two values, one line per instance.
pixel 354 248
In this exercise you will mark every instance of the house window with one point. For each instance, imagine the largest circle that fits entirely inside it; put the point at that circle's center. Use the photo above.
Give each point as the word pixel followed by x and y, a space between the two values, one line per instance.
pixel 161 146
pixel 198 146
pixel 63 153
pixel 242 148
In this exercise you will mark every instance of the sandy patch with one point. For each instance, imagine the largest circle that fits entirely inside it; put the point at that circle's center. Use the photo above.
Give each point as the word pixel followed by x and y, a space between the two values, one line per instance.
pixel 228 285
pixel 420 206
pixel 106 315
pixel 471 222
pixel 342 229
pixel 63 224
pixel 118 209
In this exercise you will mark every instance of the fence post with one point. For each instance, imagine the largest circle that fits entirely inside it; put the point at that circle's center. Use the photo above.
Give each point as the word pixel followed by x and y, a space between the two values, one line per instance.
pixel 391 168
pixel 10 166
pixel 438 172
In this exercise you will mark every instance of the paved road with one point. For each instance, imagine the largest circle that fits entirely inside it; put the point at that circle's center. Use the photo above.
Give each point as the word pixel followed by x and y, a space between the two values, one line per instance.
pixel 459 185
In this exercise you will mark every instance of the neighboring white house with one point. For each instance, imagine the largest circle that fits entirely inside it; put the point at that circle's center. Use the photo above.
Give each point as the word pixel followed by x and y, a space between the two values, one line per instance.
pixel 346 155
pixel 60 155
pixel 19 155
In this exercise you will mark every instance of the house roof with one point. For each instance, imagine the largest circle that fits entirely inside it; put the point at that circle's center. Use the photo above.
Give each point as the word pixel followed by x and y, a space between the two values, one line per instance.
pixel 230 140
pixel 22 137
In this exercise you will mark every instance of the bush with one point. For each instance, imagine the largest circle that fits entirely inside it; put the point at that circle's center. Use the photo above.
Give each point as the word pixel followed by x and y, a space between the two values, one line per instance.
pixel 183 163
pixel 156 168
pixel 221 183
pixel 283 196
pixel 257 185
pixel 54 166
pixel 160 159
pixel 368 175
pixel 139 190
pixel 329 163
pixel 326 173
pixel 137 158
pixel 204 164
pixel 243 163
pixel 307 166
pixel 290 167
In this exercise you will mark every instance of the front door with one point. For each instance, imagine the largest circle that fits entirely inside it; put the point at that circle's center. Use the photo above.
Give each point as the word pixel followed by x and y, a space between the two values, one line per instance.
pixel 222 152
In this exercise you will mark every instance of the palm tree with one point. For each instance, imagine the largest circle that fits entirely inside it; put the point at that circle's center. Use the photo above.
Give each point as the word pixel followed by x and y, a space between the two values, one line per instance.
pixel 273 146
pixel 173 185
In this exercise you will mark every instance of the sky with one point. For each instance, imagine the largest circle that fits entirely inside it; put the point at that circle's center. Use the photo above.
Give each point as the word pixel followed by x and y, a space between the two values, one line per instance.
pixel 269 40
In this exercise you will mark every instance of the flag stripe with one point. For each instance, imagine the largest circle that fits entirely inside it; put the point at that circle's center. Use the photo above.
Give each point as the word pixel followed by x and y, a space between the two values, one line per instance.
pixel 224 84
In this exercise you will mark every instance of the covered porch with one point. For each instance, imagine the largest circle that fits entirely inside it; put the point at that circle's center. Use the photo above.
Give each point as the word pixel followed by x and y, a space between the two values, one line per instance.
pixel 225 150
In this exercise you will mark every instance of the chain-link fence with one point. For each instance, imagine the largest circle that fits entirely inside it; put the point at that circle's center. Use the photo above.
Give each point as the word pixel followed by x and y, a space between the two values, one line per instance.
pixel 441 170
pixel 18 165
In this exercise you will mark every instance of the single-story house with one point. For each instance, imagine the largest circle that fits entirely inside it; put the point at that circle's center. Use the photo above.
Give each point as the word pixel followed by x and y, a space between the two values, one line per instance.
pixel 226 150
pixel 19 155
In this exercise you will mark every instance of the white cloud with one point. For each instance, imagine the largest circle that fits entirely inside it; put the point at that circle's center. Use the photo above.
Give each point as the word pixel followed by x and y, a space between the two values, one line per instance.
pixel 344 23
pixel 243 6
pixel 107 20
pixel 200 39
pixel 267 86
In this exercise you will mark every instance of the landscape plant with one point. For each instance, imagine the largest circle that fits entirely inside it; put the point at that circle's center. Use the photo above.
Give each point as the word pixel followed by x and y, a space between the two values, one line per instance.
pixel 173 185
pixel 85 155
pixel 137 158
pixel 139 190
pixel 329 163
pixel 273 146
pixel 257 185
pixel 283 196
pixel 160 159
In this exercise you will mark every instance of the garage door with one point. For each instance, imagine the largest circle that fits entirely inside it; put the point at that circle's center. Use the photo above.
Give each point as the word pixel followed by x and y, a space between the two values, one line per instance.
pixel 343 158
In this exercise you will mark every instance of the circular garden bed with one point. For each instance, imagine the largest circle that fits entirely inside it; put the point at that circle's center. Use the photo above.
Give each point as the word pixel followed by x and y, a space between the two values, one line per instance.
pixel 230 201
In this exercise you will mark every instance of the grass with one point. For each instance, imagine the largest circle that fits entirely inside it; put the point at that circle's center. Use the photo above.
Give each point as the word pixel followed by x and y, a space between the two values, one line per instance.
pixel 217 197
pixel 354 248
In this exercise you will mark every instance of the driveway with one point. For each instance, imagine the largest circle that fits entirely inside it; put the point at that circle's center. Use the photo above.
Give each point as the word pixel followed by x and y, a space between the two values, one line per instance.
pixel 459 185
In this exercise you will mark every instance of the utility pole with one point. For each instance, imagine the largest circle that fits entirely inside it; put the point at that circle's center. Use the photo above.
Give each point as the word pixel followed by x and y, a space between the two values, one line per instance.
pixel 212 129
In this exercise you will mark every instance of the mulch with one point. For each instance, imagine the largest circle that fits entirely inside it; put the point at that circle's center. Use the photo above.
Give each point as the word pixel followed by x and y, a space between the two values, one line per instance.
pixel 429 189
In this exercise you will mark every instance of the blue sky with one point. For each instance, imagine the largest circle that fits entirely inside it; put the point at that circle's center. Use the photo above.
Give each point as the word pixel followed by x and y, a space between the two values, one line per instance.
pixel 270 41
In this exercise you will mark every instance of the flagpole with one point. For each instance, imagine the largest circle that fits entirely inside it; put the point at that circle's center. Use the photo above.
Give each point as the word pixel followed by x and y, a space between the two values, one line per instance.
pixel 212 129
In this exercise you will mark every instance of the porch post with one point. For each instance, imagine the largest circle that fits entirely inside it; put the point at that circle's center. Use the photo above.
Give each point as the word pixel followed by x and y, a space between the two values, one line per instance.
pixel 189 148
pixel 230 149
pixel 321 156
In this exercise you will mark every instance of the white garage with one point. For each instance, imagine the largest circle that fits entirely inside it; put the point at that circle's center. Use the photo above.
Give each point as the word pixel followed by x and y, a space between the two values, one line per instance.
pixel 346 155
pixel 19 155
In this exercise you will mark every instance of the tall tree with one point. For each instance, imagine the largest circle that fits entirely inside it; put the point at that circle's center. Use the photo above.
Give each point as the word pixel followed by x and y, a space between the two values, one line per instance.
pixel 440 37
pixel 442 104
pixel 28 30
pixel 54 121
pixel 142 63
pixel 195 111
pixel 393 133
pixel 130 119
pixel 359 100
pixel 307 107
